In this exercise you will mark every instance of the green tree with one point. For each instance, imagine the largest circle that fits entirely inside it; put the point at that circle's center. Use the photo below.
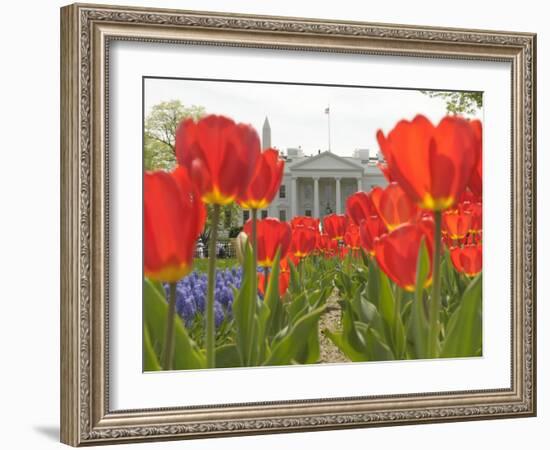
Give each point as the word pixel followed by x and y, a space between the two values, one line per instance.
pixel 464 103
pixel 160 132
pixel 157 156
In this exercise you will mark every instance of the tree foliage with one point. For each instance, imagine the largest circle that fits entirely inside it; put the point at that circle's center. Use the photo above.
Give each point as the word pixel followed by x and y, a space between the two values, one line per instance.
pixel 157 156
pixel 160 132
pixel 464 103
pixel 163 120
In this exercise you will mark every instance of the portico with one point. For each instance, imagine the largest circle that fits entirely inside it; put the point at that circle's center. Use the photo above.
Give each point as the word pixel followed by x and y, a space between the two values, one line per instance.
pixel 319 185
pixel 321 194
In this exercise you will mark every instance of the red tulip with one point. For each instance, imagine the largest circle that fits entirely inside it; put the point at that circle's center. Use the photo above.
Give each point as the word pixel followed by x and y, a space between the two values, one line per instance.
pixel 326 245
pixel 303 241
pixel 477 218
pixel 395 207
pixel 335 226
pixel 468 259
pixel 271 235
pixel 284 277
pixel 173 217
pixel 320 241
pixel 285 263
pixel 476 238
pixel 343 252
pixel 352 238
pixel 476 185
pixel 284 281
pixel 369 231
pixel 220 155
pixel 375 194
pixel 320 244
pixel 446 239
pixel 469 239
pixel 469 196
pixel 476 211
pixel 359 206
pixel 456 223
pixel 264 183
pixel 397 252
pixel 306 221
pixel 433 165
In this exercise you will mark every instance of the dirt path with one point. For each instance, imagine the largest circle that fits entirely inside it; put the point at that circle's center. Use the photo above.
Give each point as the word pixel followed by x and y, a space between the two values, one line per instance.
pixel 330 320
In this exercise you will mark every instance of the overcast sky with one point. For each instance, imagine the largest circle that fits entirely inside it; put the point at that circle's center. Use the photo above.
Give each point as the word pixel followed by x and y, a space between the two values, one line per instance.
pixel 297 113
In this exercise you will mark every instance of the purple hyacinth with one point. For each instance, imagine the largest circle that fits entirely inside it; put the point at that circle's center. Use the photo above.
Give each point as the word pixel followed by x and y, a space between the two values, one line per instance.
pixel 191 294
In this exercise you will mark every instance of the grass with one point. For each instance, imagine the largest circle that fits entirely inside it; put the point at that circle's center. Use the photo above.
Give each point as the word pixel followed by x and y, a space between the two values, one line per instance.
pixel 201 265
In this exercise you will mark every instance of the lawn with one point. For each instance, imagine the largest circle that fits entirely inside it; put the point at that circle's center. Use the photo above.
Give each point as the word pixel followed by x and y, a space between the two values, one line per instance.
pixel 201 265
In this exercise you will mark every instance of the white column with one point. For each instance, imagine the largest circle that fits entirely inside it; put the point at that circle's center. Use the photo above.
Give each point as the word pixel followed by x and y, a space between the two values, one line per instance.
pixel 294 198
pixel 316 197
pixel 338 197
pixel 359 184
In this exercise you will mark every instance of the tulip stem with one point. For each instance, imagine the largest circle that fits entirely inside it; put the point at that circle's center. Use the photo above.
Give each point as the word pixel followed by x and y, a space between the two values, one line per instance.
pixel 168 355
pixel 255 250
pixel 266 278
pixel 210 324
pixel 435 305
pixel 254 299
pixel 397 319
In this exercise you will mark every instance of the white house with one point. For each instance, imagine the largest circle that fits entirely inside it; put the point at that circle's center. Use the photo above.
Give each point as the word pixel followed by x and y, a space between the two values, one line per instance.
pixel 319 185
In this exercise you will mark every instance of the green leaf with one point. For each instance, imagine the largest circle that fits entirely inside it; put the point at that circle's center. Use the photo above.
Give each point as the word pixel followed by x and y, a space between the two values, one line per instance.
pixel 244 309
pixel 373 284
pixel 297 307
pixel 319 297
pixel 228 356
pixel 464 332
pixel 187 355
pixel 391 313
pixel 263 345
pixel 294 285
pixel 365 258
pixel 386 300
pixel 345 346
pixel 309 353
pixel 344 284
pixel 150 360
pixel 368 313
pixel 292 345
pixel 273 300
pixel 419 322
pixel 377 348
pixel 350 333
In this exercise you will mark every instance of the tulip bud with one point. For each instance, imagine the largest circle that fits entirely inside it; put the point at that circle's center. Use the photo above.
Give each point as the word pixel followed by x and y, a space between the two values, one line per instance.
pixel 240 246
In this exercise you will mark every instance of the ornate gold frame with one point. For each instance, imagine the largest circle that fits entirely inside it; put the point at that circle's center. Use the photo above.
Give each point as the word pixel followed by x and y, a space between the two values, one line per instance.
pixel 86 31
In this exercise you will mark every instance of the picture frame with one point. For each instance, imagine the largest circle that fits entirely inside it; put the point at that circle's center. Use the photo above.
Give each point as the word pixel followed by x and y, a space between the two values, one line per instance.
pixel 87 33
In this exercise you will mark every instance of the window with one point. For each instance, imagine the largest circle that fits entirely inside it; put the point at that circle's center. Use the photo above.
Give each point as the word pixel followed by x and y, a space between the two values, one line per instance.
pixel 282 215
pixel 264 213
pixel 246 215
pixel 308 212
pixel 282 191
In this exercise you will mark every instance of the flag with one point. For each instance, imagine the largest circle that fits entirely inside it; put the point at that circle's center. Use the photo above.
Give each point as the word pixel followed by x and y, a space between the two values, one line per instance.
pixel 327 110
